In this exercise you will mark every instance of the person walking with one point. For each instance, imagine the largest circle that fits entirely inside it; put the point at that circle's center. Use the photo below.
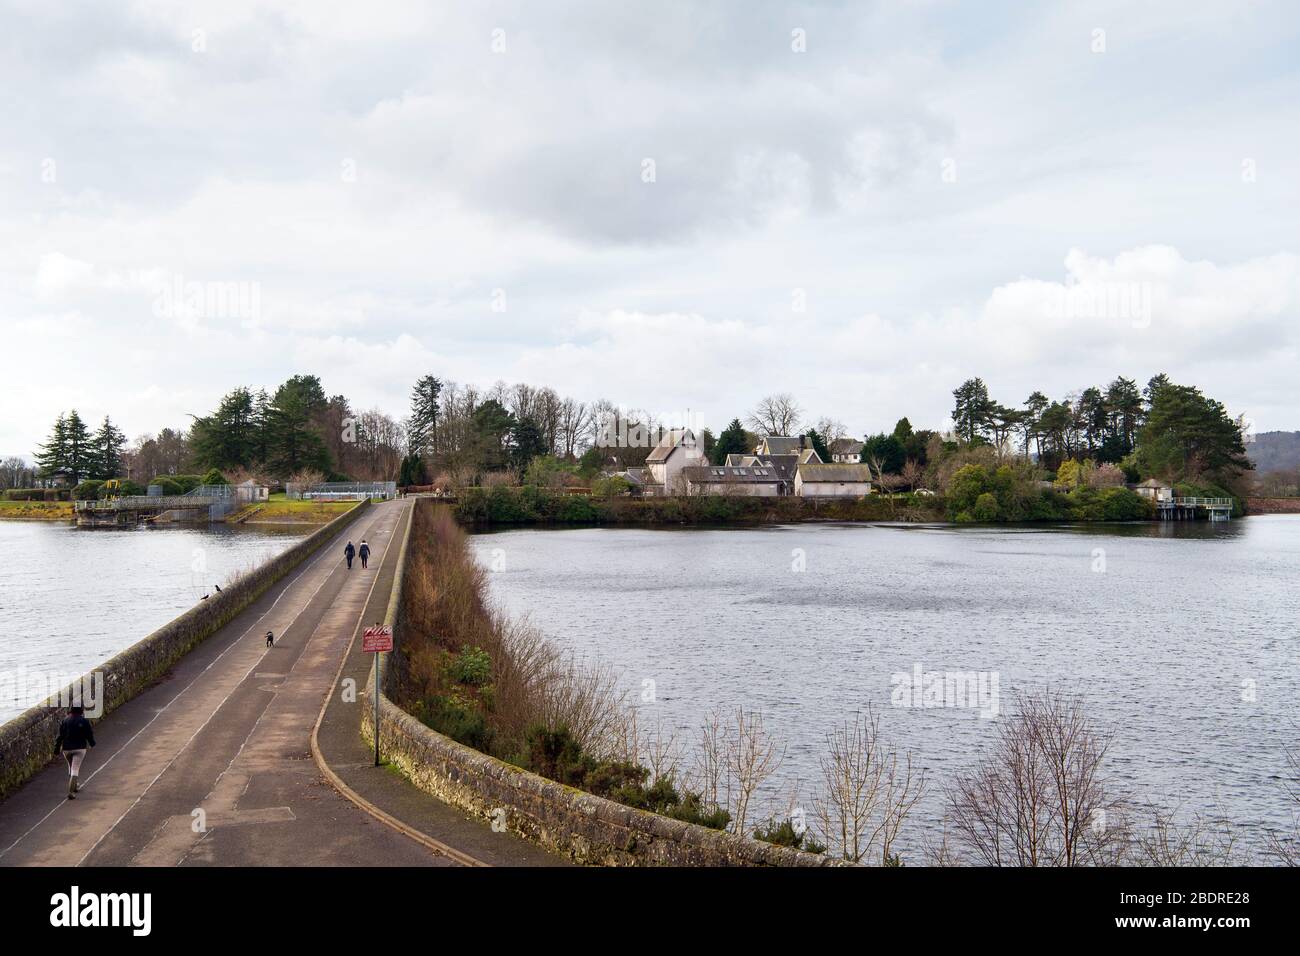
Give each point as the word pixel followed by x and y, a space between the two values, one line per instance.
pixel 349 552
pixel 74 737
pixel 364 553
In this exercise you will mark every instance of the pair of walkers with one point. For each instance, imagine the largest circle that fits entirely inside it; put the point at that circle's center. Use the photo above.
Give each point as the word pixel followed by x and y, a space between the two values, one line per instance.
pixel 362 552
pixel 75 737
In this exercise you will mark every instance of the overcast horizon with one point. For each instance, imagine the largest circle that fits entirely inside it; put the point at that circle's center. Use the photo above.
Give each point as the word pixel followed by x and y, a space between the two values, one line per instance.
pixel 670 208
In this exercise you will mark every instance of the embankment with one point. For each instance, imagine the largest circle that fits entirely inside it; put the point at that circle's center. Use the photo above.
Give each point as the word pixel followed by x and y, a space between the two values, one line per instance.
pixel 532 505
pixel 1273 506
pixel 586 828
pixel 27 741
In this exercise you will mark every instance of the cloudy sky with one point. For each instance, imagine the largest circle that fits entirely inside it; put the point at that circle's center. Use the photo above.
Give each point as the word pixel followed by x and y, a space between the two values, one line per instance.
pixel 673 206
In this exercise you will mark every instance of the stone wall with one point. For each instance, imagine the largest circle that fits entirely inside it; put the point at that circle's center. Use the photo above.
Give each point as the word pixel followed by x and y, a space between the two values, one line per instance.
pixel 585 828
pixel 1272 506
pixel 27 741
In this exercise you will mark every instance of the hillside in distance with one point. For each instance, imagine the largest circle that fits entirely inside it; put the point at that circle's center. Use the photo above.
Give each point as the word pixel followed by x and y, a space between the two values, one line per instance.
pixel 1274 451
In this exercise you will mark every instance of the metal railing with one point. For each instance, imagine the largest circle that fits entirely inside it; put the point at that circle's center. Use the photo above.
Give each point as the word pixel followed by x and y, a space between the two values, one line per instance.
pixel 1195 502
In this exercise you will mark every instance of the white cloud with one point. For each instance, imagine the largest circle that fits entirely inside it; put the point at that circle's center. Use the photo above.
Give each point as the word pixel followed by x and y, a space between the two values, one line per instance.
pixel 818 172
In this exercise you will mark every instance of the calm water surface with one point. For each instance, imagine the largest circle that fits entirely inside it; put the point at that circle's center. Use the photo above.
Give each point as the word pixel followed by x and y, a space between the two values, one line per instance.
pixel 1184 646
pixel 71 598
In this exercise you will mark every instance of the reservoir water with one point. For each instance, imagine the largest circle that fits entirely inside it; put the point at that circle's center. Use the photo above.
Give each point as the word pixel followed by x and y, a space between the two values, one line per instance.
pixel 71 598
pixel 1182 640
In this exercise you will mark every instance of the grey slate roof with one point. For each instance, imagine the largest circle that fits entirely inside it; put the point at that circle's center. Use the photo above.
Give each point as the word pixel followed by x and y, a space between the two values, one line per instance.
pixel 736 475
pixel 837 473
pixel 781 444
pixel 670 441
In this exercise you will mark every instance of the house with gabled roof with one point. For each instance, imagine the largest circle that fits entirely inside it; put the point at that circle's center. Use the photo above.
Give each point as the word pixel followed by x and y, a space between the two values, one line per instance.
pixel 677 449
pixel 818 480
pixel 756 480
pixel 846 451
pixel 782 445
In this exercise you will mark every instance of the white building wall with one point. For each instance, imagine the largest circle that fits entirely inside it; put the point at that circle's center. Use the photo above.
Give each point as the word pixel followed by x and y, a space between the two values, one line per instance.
pixel 832 489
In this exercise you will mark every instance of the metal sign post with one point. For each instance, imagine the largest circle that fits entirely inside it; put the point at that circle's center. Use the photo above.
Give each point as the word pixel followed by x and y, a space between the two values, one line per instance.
pixel 377 639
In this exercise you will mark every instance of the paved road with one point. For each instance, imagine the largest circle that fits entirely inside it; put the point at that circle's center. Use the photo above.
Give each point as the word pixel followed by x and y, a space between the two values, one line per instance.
pixel 213 766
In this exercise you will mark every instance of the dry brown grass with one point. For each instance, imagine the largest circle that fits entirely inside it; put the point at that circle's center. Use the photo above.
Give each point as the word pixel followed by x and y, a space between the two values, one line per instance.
pixel 533 682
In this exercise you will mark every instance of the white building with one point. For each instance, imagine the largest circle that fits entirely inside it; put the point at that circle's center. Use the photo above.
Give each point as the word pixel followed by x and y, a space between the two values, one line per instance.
pixel 846 451
pixel 1155 490
pixel 677 449
pixel 832 481
pixel 758 480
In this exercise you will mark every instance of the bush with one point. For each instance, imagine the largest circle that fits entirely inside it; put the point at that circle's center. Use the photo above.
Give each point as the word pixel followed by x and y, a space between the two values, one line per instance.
pixel 783 833
pixel 168 485
pixel 556 755
pixel 37 494
pixel 986 507
pixel 472 666
pixel 452 718
pixel 88 490
pixel 214 477
pixel 187 483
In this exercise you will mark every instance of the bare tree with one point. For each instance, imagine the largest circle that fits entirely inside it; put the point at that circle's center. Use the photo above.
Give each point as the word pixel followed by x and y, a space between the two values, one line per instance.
pixel 1199 841
pixel 751 757
pixel 851 774
pixel 830 430
pixel 912 474
pixel 710 760
pixel 1037 799
pixel 776 415
pixel 867 793
pixel 1285 848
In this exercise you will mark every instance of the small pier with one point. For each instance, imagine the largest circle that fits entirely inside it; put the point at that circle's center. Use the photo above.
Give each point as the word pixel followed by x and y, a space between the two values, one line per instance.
pixel 204 503
pixel 1190 509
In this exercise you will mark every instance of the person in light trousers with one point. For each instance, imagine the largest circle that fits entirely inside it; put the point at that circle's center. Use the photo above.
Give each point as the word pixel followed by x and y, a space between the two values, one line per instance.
pixel 75 736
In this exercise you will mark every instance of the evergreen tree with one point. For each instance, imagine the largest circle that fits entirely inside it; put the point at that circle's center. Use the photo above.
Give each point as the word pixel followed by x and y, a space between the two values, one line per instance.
pixel 422 429
pixel 50 460
pixel 526 443
pixel 732 441
pixel 227 438
pixel 819 444
pixel 293 442
pixel 970 414
pixel 106 451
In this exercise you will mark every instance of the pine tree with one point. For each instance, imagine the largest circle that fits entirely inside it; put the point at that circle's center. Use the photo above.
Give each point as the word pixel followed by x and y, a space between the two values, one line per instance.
pixel 226 438
pixel 106 451
pixel 422 429
pixel 81 454
pixel 294 444
pixel 53 457
pixel 732 441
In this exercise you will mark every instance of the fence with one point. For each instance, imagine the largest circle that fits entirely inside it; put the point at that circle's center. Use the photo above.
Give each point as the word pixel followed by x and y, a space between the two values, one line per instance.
pixel 341 490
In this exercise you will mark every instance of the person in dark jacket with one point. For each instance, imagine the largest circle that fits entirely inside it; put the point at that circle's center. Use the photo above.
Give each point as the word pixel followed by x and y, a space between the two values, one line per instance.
pixel 74 737
pixel 364 553
pixel 349 552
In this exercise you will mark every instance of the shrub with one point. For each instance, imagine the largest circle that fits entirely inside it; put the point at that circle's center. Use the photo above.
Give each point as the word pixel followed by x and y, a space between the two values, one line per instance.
pixel 187 483
pixel 214 477
pixel 783 833
pixel 472 666
pixel 88 490
pixel 454 719
pixel 37 494
pixel 986 507
pixel 168 485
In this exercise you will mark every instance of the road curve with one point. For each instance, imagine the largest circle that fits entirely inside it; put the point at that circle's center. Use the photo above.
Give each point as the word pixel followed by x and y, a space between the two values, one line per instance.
pixel 213 765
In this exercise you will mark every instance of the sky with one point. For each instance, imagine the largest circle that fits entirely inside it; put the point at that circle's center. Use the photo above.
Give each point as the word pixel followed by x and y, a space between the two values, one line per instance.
pixel 676 207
